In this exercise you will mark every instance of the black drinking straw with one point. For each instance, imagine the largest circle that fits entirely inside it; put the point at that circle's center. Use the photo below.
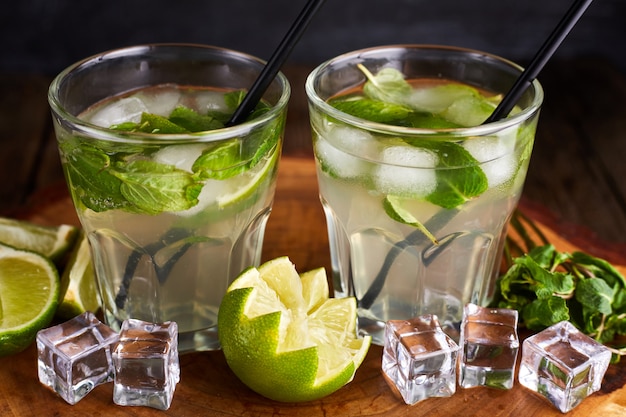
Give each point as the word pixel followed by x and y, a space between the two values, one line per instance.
pixel 273 65
pixel 540 59
pixel 506 105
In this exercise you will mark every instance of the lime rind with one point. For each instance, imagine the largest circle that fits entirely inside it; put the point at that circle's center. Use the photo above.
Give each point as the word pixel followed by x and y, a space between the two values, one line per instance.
pixel 287 354
pixel 51 241
pixel 29 292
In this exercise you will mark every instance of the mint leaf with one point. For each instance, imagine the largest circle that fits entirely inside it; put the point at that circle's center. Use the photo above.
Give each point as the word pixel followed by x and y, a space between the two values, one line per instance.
pixel 459 177
pixel 388 85
pixel 373 110
pixel 544 313
pixel 595 295
pixel 153 123
pixel 153 188
pixel 193 121
pixel 220 161
pixel 393 208
pixel 89 178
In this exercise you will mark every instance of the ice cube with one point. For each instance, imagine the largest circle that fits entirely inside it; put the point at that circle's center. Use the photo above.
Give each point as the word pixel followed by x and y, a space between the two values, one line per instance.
pixel 75 356
pixel 338 149
pixel 419 359
pixel 563 365
pixel 127 109
pixel 181 156
pixel 406 171
pixel 496 155
pixel 161 101
pixel 146 364
pixel 489 346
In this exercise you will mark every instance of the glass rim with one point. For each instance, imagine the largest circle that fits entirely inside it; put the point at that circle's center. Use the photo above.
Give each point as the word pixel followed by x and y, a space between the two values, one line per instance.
pixel 83 127
pixel 481 130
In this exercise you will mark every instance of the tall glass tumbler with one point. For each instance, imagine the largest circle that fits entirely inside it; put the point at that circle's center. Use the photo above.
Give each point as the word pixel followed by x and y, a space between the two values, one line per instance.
pixel 173 202
pixel 417 208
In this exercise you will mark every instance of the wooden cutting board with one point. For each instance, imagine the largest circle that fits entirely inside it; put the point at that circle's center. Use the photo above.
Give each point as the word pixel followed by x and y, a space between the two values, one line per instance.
pixel 297 229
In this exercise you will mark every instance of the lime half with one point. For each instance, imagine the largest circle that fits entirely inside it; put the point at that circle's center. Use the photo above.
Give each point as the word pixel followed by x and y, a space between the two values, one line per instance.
pixel 284 338
pixel 51 241
pixel 78 283
pixel 29 294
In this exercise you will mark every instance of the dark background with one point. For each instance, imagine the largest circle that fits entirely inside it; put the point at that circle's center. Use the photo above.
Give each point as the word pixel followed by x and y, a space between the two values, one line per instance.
pixel 45 36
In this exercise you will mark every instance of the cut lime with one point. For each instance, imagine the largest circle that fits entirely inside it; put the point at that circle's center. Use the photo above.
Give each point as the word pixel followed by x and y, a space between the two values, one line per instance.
pixel 284 338
pixel 51 241
pixel 29 295
pixel 248 182
pixel 78 283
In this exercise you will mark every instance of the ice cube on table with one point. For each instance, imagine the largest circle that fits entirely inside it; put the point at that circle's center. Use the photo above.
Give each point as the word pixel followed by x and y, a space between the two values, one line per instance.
pixel 489 346
pixel 419 359
pixel 563 365
pixel 127 109
pixel 406 171
pixel 146 364
pixel 75 356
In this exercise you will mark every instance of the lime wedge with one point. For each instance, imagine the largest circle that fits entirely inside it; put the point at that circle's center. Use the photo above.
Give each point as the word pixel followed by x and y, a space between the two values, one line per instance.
pixel 278 345
pixel 78 283
pixel 51 241
pixel 247 183
pixel 29 295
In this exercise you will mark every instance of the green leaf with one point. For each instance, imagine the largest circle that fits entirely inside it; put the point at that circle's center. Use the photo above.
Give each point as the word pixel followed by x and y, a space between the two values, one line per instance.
pixel 600 268
pixel 192 121
pixel 388 85
pixel 89 177
pixel 153 188
pixel 544 313
pixel 595 295
pixel 373 110
pixel 393 208
pixel 221 161
pixel 459 177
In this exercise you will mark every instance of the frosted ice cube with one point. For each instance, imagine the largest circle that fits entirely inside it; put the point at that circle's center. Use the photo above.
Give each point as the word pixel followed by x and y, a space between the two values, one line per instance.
pixel 337 150
pixel 181 156
pixel 489 346
pixel 127 109
pixel 161 101
pixel 419 359
pixel 406 171
pixel 75 356
pixel 563 365
pixel 206 101
pixel 146 364
pixel 496 154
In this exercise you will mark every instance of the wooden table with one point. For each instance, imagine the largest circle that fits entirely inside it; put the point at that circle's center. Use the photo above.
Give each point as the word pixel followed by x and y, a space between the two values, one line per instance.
pixel 575 190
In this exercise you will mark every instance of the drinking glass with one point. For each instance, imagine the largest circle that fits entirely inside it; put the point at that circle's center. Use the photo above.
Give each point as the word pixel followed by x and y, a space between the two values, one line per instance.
pixel 417 216
pixel 172 216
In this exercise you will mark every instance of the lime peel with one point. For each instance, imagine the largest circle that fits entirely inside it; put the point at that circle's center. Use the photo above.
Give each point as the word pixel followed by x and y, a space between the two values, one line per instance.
pixel 284 338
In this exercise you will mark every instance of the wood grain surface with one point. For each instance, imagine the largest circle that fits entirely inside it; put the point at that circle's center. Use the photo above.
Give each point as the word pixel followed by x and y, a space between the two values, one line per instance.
pixel 208 387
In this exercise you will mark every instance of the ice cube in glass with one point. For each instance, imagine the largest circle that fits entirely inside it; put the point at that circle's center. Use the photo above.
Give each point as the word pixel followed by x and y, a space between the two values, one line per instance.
pixel 146 364
pixel 419 359
pixel 489 346
pixel 563 365
pixel 75 356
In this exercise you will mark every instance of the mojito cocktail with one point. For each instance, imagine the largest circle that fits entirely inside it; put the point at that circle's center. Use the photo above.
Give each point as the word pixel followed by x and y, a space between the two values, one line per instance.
pixel 417 192
pixel 174 202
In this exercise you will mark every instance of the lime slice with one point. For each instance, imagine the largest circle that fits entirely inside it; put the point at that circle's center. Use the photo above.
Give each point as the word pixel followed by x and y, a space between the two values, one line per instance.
pixel 247 183
pixel 284 338
pixel 78 283
pixel 51 241
pixel 29 294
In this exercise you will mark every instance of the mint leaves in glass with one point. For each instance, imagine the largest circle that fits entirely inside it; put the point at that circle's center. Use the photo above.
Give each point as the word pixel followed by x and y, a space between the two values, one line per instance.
pixel 417 192
pixel 174 204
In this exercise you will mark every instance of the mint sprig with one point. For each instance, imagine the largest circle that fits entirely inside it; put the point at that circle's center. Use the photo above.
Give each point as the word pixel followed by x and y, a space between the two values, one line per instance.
pixel 548 286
